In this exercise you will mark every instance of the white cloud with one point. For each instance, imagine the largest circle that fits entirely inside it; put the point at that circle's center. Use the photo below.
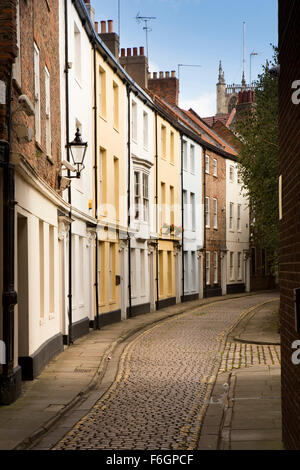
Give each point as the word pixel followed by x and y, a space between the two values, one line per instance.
pixel 204 105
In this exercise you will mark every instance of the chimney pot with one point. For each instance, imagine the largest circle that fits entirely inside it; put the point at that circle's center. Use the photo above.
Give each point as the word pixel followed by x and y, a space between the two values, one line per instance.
pixel 154 75
pixel 173 74
pixel 128 51
pixel 135 51
pixel 96 26
pixel 103 27
pixel 167 74
pixel 142 51
pixel 110 26
pixel 161 75
pixel 123 52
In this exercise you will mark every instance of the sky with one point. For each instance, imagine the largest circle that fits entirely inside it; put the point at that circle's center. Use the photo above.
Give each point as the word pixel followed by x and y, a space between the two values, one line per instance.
pixel 198 32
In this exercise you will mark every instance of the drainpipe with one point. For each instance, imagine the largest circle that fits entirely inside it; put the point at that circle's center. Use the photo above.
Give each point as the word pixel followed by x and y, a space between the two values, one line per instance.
pixel 128 202
pixel 182 216
pixel 96 326
pixel 204 240
pixel 70 339
pixel 156 208
pixel 9 390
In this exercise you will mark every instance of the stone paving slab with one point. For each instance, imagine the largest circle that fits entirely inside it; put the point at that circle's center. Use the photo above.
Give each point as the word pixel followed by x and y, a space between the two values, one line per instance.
pixel 59 387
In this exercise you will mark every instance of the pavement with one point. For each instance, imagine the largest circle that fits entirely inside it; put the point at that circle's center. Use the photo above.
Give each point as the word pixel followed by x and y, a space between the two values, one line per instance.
pixel 141 383
pixel 244 410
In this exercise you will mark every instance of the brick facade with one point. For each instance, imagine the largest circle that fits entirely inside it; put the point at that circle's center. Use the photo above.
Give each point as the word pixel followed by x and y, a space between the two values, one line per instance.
pixel 215 239
pixel 39 24
pixel 165 85
pixel 289 168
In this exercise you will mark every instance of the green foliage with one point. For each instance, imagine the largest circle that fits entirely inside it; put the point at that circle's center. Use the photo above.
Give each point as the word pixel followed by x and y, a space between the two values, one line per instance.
pixel 258 131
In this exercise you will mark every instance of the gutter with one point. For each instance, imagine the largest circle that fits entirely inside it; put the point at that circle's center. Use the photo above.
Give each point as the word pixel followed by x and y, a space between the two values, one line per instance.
pixel 70 339
pixel 128 202
pixel 96 326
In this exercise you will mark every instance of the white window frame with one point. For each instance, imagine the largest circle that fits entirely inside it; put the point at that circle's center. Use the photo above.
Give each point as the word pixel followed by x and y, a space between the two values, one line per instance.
pixel 239 266
pixel 37 94
pixel 48 112
pixel 193 211
pixel 215 267
pixel 215 167
pixel 215 212
pixel 231 173
pixel 134 126
pixel 185 208
pixel 207 212
pixel 141 195
pixel 185 155
pixel 207 164
pixel 207 267
pixel 239 217
pixel 231 266
pixel 231 215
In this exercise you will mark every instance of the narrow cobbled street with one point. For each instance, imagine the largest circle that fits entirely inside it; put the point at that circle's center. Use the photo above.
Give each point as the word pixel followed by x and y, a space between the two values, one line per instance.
pixel 165 378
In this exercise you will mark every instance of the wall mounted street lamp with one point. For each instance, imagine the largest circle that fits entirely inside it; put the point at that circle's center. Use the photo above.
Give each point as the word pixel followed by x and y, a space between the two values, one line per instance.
pixel 78 151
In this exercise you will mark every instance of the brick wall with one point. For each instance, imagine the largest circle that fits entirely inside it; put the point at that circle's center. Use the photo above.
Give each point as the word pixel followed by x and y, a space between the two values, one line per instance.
pixel 165 85
pixel 215 187
pixel 39 24
pixel 289 168
pixel 8 51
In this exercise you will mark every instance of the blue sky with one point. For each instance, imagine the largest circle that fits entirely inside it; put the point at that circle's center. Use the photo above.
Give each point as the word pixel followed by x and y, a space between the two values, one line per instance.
pixel 198 32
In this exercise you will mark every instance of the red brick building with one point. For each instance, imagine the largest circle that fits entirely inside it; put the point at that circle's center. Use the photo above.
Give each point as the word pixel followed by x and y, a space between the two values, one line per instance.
pixel 289 174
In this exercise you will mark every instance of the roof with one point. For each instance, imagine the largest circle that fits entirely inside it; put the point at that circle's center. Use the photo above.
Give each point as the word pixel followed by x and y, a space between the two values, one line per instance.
pixel 226 119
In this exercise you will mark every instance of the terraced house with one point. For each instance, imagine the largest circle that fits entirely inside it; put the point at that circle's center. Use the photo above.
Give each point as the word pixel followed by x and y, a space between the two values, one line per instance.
pixel 117 202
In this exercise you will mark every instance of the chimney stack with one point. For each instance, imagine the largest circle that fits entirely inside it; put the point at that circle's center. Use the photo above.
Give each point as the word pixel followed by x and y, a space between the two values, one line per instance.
pixel 136 65
pixel 90 9
pixel 165 86
pixel 245 105
pixel 110 38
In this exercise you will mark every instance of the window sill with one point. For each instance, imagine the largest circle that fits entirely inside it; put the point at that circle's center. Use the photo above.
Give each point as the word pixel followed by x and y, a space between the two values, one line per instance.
pixel 50 159
pixel 78 82
pixel 116 129
pixel 103 117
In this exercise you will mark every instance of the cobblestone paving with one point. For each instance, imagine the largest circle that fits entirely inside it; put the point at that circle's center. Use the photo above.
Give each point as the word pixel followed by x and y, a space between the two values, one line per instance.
pixel 238 355
pixel 164 381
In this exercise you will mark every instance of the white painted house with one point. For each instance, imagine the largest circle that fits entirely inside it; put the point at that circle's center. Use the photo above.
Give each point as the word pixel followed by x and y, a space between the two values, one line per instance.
pixel 237 232
pixel 193 219
pixel 77 69
pixel 142 210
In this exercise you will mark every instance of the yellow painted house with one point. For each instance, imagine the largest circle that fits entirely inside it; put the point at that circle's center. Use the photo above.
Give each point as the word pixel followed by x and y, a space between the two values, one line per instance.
pixel 169 213
pixel 110 191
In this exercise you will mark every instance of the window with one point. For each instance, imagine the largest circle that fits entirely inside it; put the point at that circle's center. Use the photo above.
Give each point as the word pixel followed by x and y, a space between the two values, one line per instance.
pixel 112 271
pixel 215 267
pixel 207 267
pixel 116 186
pixel 193 210
pixel 207 212
pixel 172 147
pixel 185 271
pixel 239 217
pixel 48 112
pixel 231 273
pixel 145 198
pixel 141 196
pixel 231 215
pixel 170 273
pixel 215 167
pixel 134 121
pixel 161 272
pixel 146 130
pixel 163 137
pixel 185 157
pixel 102 272
pixel 77 52
pixel 42 268
pixel 172 205
pixel 239 266
pixel 133 272
pixel 116 105
pixel 163 203
pixel 142 272
pixel 239 177
pixel 193 271
pixel 185 208
pixel 51 270
pixel 192 159
pixel 231 173
pixel 102 180
pixel 37 97
pixel 102 92
pixel 207 164
pixel 215 209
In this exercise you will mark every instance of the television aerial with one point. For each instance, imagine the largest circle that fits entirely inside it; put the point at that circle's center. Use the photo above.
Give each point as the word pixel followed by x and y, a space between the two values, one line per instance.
pixel 146 19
